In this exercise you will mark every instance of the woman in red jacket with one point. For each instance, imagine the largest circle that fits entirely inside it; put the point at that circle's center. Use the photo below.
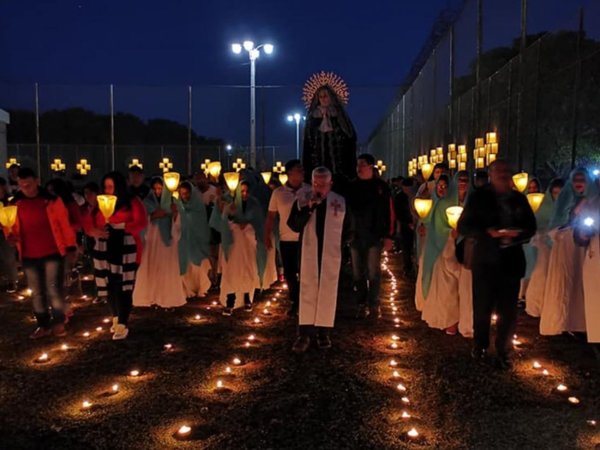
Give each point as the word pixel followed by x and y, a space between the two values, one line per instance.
pixel 118 250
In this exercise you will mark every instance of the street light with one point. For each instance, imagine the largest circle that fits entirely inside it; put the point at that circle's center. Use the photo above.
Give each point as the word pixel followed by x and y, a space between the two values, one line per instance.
pixel 253 54
pixel 296 117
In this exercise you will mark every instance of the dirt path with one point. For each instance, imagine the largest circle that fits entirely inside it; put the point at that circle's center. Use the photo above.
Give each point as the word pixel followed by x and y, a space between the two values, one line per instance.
pixel 346 397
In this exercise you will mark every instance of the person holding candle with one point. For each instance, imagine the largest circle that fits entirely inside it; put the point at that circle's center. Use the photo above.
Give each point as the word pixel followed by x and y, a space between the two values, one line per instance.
pixel 500 220
pixel 280 205
pixel 370 201
pixel 44 237
pixel 158 279
pixel 325 225
pixel 88 210
pixel 563 309
pixel 194 244
pixel 530 250
pixel 428 187
pixel 537 282
pixel 118 250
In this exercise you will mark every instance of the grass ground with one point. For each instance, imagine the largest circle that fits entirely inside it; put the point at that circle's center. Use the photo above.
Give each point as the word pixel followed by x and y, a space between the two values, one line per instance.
pixel 345 397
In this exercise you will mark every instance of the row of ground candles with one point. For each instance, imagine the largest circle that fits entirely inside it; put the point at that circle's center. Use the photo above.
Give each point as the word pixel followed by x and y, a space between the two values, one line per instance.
pixel 412 434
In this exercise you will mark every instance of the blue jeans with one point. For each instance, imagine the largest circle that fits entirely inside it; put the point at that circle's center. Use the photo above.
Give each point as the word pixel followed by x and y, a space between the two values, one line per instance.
pixel 44 278
pixel 366 271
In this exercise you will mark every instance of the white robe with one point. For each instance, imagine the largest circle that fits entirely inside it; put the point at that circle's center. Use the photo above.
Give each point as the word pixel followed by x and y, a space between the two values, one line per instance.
pixel 419 297
pixel 465 300
pixel 441 307
pixel 563 308
pixel 239 273
pixel 270 275
pixel 196 281
pixel 537 282
pixel 158 281
pixel 591 290
pixel 318 291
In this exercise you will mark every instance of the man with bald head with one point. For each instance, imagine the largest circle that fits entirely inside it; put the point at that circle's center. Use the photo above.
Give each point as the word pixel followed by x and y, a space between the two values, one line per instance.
pixel 499 220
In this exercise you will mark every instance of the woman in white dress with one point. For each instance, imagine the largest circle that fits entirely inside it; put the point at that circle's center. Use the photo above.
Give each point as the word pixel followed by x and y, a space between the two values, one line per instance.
pixel 194 245
pixel 537 282
pixel 244 254
pixel 158 281
pixel 563 308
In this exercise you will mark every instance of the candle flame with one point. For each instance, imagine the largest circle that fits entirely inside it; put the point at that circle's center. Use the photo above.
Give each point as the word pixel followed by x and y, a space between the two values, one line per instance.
pixel 115 387
pixel 43 357
pixel 401 388
pixel 413 433
pixel 219 384
pixel 183 430
pixel 537 365
pixel 561 387
pixel 86 404
pixel 405 415
pixel 574 400
pixel 134 373
pixel 237 361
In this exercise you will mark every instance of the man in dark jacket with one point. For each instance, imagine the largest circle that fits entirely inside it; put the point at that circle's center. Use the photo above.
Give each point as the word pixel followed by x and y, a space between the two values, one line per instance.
pixel 499 220
pixel 371 205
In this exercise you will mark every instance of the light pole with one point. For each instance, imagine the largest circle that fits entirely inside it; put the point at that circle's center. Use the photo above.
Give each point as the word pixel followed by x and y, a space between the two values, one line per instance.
pixel 253 54
pixel 296 117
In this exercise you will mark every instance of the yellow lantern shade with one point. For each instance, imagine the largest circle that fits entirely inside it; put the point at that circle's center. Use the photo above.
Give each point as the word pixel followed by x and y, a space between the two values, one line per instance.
pixel 232 179
pixel 171 181
pixel 535 201
pixel 214 168
pixel 453 214
pixel 106 204
pixel 426 170
pixel 266 176
pixel 520 180
pixel 283 178
pixel 8 216
pixel 479 142
pixel 423 206
pixel 491 138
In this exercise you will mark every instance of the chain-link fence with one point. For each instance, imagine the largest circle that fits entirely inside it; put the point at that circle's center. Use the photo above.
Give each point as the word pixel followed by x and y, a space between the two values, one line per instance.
pixel 503 66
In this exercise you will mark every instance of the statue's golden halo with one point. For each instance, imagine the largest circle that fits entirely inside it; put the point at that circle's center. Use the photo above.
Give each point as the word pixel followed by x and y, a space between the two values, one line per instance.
pixel 321 79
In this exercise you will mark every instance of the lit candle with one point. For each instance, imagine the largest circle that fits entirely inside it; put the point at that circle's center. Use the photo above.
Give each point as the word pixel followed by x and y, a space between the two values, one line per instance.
pixel 98 329
pixel 64 347
pixel 494 317
pixel 401 387
pixel 86 334
pixel 251 337
pixel 413 433
pixel 574 400
pixel 268 304
pixel 214 303
pixel 393 345
pixel 247 344
pixel 43 357
pixel 405 400
pixel 405 415
pixel 134 373
pixel 168 347
pixel 561 387
pixel 545 372
pixel 395 337
pixel 115 388
pixel 219 384
pixel 397 320
pixel 184 430
pixel 106 320
pixel 228 370
pixel 591 423
pixel 393 363
pixel 256 320
pixel 29 292
pixel 197 317
pixel 237 361
pixel 537 365
pixel 266 312
pixel 516 342
pixel 84 297
pixel 285 286
pixel 86 404
pixel 396 374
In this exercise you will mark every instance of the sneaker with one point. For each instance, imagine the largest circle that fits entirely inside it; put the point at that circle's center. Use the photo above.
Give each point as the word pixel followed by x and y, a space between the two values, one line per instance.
pixel 248 307
pixel 11 288
pixel 121 332
pixel 324 342
pixel 301 345
pixel 363 312
pixel 115 322
pixel 58 330
pixel 40 332
pixel 227 312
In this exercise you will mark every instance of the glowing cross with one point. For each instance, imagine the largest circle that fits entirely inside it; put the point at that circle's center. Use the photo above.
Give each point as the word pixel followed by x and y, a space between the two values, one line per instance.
pixel 83 167
pixel 336 205
pixel 165 165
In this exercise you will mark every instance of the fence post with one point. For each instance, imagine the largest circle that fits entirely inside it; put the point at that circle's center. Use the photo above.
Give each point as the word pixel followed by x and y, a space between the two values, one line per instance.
pixel 575 121
pixel 37 130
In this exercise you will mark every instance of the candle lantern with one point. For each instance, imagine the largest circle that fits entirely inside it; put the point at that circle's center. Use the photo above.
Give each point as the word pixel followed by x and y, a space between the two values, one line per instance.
pixel 171 180
pixel 535 201
pixel 423 206
pixel 232 179
pixel 106 204
pixel 453 214
pixel 520 180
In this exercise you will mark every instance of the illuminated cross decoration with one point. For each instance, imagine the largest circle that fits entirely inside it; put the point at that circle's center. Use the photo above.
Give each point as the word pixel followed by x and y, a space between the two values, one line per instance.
pixel 238 165
pixel 136 163
pixel 336 205
pixel 12 161
pixel 165 165
pixel 204 166
pixel 83 167
pixel 278 167
pixel 381 166
pixel 58 165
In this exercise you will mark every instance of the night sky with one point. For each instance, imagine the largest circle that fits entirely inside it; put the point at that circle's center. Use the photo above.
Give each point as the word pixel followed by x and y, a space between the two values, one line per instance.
pixel 151 50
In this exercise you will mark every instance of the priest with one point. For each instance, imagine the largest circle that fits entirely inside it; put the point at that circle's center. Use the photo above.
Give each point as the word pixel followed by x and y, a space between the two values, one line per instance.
pixel 322 219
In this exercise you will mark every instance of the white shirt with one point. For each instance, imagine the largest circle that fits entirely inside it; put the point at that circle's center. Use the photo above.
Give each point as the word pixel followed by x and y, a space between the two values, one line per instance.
pixel 281 202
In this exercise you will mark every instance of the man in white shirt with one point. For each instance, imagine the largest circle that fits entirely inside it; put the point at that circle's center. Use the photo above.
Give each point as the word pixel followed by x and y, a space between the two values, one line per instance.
pixel 282 200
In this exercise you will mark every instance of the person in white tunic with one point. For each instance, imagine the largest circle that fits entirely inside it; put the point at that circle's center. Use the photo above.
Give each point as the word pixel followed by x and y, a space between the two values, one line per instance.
pixel 324 225
pixel 537 283
pixel 587 235
pixel 158 281
pixel 563 309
